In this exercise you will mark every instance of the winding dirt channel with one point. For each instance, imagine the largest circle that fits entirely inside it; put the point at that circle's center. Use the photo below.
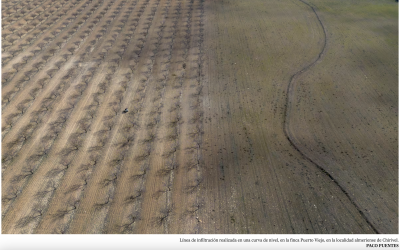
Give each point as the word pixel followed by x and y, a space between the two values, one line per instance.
pixel 289 100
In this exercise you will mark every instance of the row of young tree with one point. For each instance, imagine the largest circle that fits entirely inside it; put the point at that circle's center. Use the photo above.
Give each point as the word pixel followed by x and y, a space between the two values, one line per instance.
pixel 47 107
pixel 40 84
pixel 116 45
pixel 109 182
pixel 69 150
pixel 42 41
pixel 19 9
pixel 169 141
pixel 23 33
pixel 18 22
pixel 45 63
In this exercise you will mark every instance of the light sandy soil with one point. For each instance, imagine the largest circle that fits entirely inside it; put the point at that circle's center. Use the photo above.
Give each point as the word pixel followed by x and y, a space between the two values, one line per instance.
pixel 244 117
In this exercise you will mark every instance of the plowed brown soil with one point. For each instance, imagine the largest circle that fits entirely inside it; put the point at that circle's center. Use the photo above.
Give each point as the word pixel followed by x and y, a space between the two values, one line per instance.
pixel 243 116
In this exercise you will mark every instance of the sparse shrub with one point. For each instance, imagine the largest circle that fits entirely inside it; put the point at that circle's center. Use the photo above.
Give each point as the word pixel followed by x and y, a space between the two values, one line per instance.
pixel 101 205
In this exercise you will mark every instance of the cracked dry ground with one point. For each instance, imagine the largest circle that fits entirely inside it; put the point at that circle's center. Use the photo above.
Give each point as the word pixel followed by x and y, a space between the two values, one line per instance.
pixel 244 116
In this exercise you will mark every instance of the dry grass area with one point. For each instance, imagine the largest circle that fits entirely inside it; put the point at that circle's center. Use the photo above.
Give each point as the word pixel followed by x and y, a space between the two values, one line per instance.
pixel 243 116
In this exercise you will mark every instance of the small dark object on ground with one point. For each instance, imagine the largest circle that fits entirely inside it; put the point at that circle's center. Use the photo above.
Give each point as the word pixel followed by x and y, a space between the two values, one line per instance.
pixel 125 111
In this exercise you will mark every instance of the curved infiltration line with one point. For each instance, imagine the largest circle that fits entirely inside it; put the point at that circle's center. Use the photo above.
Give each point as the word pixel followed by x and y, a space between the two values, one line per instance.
pixel 286 125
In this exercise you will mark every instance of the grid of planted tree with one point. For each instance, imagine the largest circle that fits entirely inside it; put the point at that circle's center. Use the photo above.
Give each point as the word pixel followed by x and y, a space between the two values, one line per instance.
pixel 72 161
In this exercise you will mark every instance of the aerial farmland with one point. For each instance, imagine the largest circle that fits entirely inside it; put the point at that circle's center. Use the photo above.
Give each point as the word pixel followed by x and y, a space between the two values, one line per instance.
pixel 199 117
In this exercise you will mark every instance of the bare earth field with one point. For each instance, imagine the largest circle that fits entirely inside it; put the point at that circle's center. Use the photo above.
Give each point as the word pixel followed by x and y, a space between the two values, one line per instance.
pixel 273 117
